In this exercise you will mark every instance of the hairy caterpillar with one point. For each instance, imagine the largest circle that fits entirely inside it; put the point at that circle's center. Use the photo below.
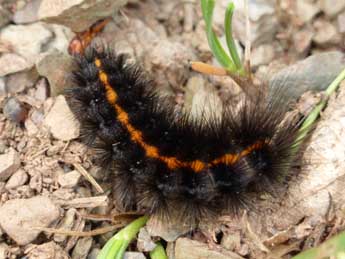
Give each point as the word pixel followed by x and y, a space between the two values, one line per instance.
pixel 173 165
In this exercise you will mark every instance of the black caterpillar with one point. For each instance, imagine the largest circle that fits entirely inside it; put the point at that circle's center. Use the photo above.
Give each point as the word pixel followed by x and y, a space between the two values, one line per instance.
pixel 170 164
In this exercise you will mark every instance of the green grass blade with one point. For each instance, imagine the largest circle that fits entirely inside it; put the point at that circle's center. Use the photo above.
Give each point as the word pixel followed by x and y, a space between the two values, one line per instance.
pixel 117 245
pixel 332 248
pixel 315 113
pixel 158 252
pixel 228 34
pixel 218 51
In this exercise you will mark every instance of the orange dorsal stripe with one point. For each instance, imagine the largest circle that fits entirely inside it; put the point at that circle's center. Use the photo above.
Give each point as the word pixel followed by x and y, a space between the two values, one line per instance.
pixel 152 151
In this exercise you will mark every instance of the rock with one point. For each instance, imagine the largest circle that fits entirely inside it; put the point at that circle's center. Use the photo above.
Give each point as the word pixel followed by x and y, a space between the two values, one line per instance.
pixel 325 33
pixel 66 224
pixel 264 23
pixel 41 92
pixel 61 64
pixel 27 14
pixel 144 242
pixel 168 62
pixel 302 41
pixel 19 81
pixel 306 10
pixel 9 163
pixel 12 63
pixel 60 120
pixel 169 232
pixel 3 90
pixel 77 14
pixel 341 22
pixel 94 253
pixel 5 16
pixel 231 241
pixel 262 55
pixel 312 74
pixel 48 250
pixel 134 255
pixel 82 248
pixel 4 251
pixel 191 249
pixel 19 178
pixel 30 127
pixel 15 110
pixel 26 40
pixel 201 99
pixel 332 8
pixel 69 180
pixel 62 38
pixel 313 191
pixel 18 217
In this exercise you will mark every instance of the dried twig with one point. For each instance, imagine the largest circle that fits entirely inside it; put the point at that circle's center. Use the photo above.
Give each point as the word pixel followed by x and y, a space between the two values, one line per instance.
pixel 88 177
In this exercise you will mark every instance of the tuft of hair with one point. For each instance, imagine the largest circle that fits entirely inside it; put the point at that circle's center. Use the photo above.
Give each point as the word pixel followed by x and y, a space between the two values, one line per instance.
pixel 249 148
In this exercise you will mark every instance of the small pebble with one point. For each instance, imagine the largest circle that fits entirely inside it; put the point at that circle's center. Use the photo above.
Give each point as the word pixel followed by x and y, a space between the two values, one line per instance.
pixel 15 110
pixel 18 217
pixel 17 179
pixel 60 120
pixel 134 255
pixel 69 180
pixel 82 248
pixel 3 90
pixel 9 163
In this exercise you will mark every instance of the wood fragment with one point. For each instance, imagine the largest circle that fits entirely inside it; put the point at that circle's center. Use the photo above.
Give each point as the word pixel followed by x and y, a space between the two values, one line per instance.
pixel 88 202
pixel 88 177
pixel 95 232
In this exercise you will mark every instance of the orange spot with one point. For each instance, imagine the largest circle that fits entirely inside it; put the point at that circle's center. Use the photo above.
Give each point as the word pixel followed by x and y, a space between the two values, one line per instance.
pixel 97 62
pixel 123 117
pixel 103 77
pixel 197 165
pixel 152 151
pixel 172 162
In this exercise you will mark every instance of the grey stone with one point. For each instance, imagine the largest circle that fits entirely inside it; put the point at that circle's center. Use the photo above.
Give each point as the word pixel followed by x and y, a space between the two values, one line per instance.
pixel 19 217
pixel 5 16
pixel 14 110
pixel 48 250
pixel 67 224
pixel 17 82
pixel 17 179
pixel 94 253
pixel 56 67
pixel 82 248
pixel 191 249
pixel 69 180
pixel 12 63
pixel 77 14
pixel 325 33
pixel 264 23
pixel 3 90
pixel 27 40
pixel 144 242
pixel 4 251
pixel 262 55
pixel 312 74
pixel 134 255
pixel 60 120
pixel 27 14
pixel 9 163
pixel 333 7
pixel 306 10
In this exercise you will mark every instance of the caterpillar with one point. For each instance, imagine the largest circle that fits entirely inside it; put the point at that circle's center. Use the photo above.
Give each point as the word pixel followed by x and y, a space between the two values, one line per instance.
pixel 169 164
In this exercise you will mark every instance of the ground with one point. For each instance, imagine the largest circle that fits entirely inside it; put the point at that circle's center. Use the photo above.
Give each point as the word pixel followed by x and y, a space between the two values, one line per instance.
pixel 44 169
